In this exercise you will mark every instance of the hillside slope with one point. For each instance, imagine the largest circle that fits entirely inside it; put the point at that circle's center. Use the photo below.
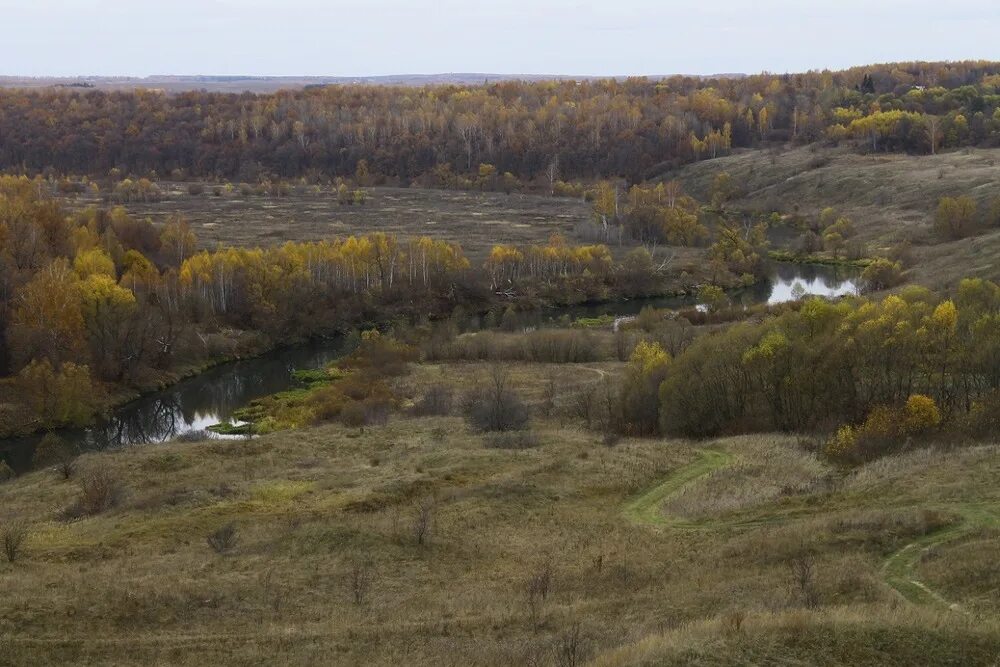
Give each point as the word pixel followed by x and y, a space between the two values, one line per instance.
pixel 889 197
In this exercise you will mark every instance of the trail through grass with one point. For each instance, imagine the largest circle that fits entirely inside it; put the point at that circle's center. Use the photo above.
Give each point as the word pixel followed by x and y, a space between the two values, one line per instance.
pixel 647 507
pixel 898 571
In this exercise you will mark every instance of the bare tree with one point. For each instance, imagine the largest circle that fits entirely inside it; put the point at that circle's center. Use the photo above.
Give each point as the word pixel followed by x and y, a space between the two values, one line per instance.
pixel 804 579
pixel 933 131
pixel 12 537
pixel 422 522
pixel 570 647
pixel 537 590
pixel 361 578
pixel 552 172
pixel 494 406
pixel 549 393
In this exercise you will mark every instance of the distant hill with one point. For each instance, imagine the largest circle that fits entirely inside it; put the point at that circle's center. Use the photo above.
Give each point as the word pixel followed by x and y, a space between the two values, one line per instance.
pixel 270 84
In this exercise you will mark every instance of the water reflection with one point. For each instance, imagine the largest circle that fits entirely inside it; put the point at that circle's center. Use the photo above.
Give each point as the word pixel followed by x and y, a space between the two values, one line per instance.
pixel 787 282
pixel 791 282
pixel 191 405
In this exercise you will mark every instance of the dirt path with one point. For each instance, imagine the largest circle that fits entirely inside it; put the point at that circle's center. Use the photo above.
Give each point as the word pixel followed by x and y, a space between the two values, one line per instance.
pixel 601 373
pixel 898 570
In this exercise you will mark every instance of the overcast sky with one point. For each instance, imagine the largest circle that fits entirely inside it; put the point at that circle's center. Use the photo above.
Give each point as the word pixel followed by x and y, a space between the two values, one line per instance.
pixel 372 37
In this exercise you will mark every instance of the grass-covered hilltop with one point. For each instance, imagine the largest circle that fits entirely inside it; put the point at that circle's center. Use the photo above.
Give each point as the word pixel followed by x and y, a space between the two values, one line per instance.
pixel 685 371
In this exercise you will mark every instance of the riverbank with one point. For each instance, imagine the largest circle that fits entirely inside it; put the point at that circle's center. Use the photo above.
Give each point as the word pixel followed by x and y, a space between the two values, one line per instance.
pixel 787 257
pixel 136 402
pixel 116 397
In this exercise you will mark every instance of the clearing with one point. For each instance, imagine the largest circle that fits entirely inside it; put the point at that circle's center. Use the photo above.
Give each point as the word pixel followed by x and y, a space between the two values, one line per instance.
pixel 477 220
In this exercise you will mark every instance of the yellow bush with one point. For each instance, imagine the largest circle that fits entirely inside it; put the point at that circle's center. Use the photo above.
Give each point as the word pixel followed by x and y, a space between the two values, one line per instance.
pixel 881 423
pixel 921 413
pixel 884 429
pixel 648 357
pixel 843 443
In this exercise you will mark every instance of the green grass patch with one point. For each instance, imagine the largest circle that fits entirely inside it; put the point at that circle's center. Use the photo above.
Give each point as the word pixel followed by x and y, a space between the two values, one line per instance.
pixel 794 258
pixel 594 322
pixel 647 507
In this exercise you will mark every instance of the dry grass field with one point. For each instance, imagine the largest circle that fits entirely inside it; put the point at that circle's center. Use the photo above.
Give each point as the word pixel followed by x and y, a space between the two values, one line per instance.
pixel 885 194
pixel 477 220
pixel 417 543
pixel 889 197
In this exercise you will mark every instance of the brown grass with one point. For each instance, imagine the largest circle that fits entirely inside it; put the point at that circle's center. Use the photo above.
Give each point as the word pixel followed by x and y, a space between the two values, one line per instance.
pixel 477 220
pixel 889 198
pixel 766 469
pixel 139 584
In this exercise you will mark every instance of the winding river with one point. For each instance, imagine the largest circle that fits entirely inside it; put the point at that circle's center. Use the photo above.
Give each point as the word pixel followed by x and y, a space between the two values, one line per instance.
pixel 211 397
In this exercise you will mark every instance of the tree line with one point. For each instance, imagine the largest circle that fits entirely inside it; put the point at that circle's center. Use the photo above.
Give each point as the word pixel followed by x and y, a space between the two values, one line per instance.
pixel 876 372
pixel 503 133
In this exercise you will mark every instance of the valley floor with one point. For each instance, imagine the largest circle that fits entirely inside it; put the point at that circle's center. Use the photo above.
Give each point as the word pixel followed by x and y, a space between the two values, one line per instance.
pixel 416 543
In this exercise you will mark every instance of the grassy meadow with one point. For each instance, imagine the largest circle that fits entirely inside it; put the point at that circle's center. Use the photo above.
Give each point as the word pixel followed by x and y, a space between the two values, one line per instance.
pixel 477 220
pixel 891 198
pixel 418 542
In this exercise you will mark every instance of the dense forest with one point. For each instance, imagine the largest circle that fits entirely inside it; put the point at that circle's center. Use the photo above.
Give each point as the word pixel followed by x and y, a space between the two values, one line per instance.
pixel 534 133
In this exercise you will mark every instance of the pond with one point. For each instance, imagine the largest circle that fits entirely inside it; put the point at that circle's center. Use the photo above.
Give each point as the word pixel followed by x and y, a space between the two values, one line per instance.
pixel 196 403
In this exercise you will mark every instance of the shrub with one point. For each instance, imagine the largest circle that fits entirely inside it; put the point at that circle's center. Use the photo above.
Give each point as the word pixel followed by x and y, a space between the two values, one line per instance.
pixel 361 578
pixel 512 440
pixel 955 217
pixel 984 417
pixel 376 410
pixel 817 162
pixel 382 356
pixel 571 648
pixel 713 297
pixel 842 445
pixel 902 254
pixel 560 346
pixel 195 189
pixel 494 406
pixel 6 472
pixel 327 403
pixel 803 568
pixel 884 430
pixel 882 274
pixel 100 490
pixel 224 539
pixel 354 414
pixel 12 537
pixel 422 522
pixel 198 435
pixel 437 400
pixel 921 414
pixel 537 589
pixel 638 393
